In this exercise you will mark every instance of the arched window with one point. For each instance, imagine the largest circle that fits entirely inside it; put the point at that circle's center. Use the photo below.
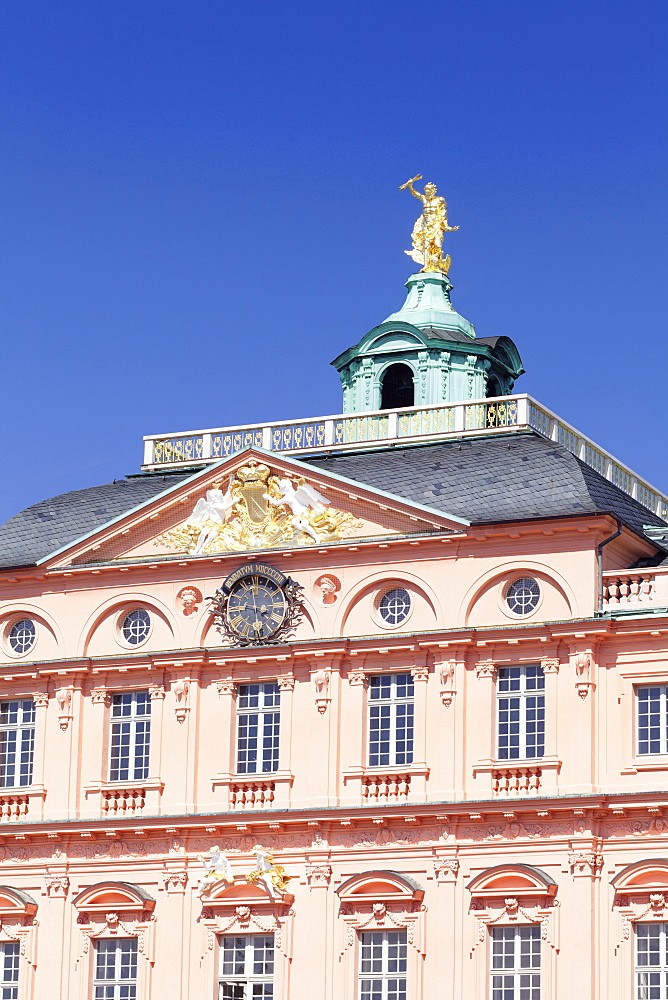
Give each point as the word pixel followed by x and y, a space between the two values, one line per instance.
pixel 493 387
pixel 397 387
pixel 383 918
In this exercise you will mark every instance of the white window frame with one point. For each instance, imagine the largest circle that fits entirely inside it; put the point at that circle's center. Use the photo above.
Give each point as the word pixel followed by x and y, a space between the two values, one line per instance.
pixel 524 696
pixel 248 978
pixel 663 719
pixel 9 985
pixel 267 715
pixel 660 970
pixel 24 731
pixel 118 983
pixel 393 706
pixel 393 982
pixel 516 972
pixel 134 720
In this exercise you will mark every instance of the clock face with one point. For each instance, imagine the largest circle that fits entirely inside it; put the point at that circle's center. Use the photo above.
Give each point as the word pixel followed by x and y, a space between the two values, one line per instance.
pixel 256 607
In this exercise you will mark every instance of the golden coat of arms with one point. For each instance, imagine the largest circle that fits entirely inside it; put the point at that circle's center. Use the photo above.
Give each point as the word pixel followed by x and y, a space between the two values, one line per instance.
pixel 258 510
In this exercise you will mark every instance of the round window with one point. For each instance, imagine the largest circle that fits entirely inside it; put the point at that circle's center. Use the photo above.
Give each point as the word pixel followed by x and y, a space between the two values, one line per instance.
pixel 394 606
pixel 523 595
pixel 136 626
pixel 22 635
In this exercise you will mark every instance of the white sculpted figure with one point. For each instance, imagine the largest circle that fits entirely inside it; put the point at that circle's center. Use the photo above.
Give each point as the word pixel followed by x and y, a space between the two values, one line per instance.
pixel 267 871
pixel 300 499
pixel 217 867
pixel 212 509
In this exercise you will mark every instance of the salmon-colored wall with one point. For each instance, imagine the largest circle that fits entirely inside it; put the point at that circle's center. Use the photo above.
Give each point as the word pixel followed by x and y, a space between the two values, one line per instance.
pixel 442 821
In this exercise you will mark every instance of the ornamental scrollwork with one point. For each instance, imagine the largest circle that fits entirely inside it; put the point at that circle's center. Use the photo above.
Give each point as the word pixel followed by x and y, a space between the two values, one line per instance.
pixel 318 875
pixel 258 510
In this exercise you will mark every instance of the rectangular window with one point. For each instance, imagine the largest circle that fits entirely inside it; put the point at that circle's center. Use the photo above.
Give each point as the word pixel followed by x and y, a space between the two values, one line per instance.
pixel 115 969
pixel 390 720
pixel 652 719
pixel 521 698
pixel 9 968
pixel 130 736
pixel 651 961
pixel 17 742
pixel 382 973
pixel 515 973
pixel 246 967
pixel 259 723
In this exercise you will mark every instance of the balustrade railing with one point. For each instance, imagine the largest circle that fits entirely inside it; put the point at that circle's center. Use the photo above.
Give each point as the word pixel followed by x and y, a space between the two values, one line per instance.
pixel 252 794
pixel 383 787
pixel 13 807
pixel 628 589
pixel 511 781
pixel 416 423
pixel 123 801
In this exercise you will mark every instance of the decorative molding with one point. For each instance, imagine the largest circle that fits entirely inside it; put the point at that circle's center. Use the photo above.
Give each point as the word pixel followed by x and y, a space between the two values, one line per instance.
pixel 318 875
pixel 56 885
pixel 181 688
pixel 446 869
pixel 156 692
pixel 550 665
pixel 583 674
pixel 446 673
pixel 286 682
pixel 321 679
pixel 384 915
pixel 585 863
pixel 100 696
pixel 485 668
pixel 356 678
pixel 244 918
pixel 225 685
pixel 420 673
pixel 175 881
pixel 41 699
pixel 64 699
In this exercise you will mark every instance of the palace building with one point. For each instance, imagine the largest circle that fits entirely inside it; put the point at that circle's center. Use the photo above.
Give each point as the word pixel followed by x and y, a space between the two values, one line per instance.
pixel 371 706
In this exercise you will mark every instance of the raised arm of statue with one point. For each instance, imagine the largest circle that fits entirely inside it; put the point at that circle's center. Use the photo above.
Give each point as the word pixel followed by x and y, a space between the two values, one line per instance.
pixel 409 185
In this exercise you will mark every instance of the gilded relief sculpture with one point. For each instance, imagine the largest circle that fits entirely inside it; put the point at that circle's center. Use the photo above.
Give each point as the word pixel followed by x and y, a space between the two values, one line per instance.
pixel 257 511
pixel 429 228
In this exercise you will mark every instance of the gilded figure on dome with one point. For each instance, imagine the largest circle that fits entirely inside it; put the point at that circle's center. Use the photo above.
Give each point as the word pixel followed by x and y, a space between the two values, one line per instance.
pixel 429 228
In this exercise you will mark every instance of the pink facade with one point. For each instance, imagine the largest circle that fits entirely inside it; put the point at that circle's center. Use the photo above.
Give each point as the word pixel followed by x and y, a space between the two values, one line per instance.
pixel 453 787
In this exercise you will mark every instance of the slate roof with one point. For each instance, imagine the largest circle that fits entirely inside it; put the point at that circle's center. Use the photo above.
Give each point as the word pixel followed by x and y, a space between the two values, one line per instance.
pixel 47 526
pixel 513 477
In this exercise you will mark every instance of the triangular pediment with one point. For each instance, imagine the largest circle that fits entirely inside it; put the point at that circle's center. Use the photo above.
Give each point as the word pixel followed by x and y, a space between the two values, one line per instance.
pixel 251 501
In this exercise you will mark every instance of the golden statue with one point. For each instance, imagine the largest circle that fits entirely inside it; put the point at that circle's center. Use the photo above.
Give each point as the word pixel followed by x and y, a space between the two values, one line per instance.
pixel 429 228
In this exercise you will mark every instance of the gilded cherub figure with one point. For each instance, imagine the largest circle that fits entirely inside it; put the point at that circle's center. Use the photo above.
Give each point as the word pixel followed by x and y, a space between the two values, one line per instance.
pixel 429 228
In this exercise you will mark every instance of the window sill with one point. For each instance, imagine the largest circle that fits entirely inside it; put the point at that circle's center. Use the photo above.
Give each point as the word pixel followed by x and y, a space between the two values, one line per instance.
pixel 520 777
pixel 360 771
pixel 374 785
pixel 256 791
pixel 249 779
pixel 653 762
pixel 546 763
pixel 148 784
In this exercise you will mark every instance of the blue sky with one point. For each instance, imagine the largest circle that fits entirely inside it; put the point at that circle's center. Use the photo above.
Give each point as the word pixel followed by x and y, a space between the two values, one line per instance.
pixel 200 210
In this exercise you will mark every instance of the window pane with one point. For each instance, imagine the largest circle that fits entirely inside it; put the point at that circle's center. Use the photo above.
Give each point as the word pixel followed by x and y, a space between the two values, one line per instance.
pixel 652 721
pixel 17 742
pixel 246 967
pixel 130 736
pixel 258 731
pixel 521 713
pixel 390 720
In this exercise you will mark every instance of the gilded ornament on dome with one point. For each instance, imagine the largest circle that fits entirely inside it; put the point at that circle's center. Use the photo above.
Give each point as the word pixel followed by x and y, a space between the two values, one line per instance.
pixel 429 228
pixel 258 510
